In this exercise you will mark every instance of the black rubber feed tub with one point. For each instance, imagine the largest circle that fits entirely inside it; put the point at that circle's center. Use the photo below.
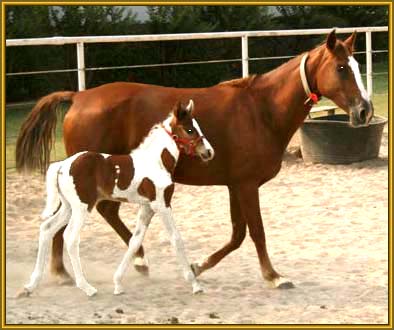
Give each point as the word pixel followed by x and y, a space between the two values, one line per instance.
pixel 331 140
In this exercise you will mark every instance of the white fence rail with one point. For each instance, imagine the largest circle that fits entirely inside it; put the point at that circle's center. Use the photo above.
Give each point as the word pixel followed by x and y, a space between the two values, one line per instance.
pixel 243 35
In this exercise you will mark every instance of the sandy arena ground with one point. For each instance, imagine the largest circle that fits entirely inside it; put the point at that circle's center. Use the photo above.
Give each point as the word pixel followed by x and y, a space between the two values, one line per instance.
pixel 327 231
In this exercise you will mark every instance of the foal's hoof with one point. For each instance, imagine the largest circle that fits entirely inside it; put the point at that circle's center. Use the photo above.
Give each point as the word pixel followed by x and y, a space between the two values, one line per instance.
pixel 196 269
pixel 197 288
pixel 281 283
pixel 91 291
pixel 23 293
pixel 118 290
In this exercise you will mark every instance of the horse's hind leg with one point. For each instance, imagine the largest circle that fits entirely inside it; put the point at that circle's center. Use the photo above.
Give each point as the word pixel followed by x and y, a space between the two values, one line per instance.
pixel 47 230
pixel 110 211
pixel 145 215
pixel 57 264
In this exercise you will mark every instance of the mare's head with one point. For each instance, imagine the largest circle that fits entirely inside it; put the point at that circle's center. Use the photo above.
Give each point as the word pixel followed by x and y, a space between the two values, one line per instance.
pixel 338 78
pixel 187 133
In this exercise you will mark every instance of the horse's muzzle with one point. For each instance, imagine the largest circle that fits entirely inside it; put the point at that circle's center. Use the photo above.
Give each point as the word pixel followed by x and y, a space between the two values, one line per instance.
pixel 361 114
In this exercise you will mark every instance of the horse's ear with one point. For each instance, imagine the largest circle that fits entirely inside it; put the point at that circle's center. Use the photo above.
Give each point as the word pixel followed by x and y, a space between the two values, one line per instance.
pixel 190 106
pixel 350 41
pixel 179 111
pixel 331 40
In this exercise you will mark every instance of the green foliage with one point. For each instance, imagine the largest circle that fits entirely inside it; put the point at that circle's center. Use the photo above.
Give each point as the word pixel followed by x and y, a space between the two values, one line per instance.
pixel 47 21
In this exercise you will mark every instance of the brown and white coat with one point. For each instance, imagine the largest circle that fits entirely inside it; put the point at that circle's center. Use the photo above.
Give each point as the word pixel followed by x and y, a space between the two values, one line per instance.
pixel 145 176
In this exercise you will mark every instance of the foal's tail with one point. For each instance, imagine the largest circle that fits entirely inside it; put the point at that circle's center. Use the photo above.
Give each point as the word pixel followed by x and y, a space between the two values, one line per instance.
pixel 37 134
pixel 53 194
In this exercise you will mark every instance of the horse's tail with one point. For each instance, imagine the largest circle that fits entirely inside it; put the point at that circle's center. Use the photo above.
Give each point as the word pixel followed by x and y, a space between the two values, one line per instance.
pixel 53 194
pixel 37 134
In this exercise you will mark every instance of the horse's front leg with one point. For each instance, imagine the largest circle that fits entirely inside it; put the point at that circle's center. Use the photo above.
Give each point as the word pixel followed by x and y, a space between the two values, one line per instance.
pixel 176 240
pixel 237 236
pixel 250 210
pixel 110 212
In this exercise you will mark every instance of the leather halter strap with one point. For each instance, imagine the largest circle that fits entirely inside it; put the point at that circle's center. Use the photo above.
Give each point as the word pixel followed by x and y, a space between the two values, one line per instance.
pixel 182 144
pixel 313 98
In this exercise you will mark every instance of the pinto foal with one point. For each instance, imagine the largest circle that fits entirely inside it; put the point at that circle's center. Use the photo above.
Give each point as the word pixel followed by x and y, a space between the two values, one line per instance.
pixel 79 182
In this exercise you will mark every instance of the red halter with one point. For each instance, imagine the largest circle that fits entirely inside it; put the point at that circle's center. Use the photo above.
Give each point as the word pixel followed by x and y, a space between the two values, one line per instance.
pixel 182 144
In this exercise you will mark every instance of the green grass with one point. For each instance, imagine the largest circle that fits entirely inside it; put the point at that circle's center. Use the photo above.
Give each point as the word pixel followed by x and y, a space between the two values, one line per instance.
pixel 15 116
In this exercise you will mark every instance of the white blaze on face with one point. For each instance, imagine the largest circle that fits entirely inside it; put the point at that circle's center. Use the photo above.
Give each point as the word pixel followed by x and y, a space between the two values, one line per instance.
pixel 356 71
pixel 206 143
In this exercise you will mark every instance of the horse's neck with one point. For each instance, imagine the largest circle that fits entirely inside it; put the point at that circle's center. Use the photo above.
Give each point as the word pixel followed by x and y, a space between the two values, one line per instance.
pixel 156 141
pixel 281 94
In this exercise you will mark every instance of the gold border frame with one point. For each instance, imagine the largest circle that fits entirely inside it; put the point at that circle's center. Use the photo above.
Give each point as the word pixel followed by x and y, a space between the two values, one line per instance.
pixel 184 326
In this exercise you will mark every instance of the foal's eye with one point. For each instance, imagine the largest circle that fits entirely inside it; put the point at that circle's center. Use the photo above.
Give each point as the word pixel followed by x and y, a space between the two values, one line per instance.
pixel 189 131
pixel 340 68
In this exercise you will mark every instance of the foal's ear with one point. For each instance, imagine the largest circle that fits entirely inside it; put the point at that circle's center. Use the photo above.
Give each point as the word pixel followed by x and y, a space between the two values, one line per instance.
pixel 350 41
pixel 180 111
pixel 331 40
pixel 190 106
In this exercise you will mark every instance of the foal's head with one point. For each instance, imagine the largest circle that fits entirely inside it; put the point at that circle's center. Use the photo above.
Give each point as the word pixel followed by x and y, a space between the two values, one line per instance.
pixel 338 78
pixel 187 133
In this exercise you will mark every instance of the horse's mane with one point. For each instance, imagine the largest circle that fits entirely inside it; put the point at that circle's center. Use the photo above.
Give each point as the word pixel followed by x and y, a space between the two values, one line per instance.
pixel 240 82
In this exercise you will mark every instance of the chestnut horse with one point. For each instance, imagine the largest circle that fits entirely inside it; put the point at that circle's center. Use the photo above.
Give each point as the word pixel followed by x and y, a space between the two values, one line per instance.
pixel 248 121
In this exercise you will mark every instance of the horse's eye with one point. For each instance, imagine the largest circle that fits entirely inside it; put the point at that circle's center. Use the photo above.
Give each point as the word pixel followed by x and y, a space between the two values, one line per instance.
pixel 340 68
pixel 190 131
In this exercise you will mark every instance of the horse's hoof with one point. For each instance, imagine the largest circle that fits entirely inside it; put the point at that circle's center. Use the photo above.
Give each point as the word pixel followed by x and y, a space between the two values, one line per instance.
pixel 141 266
pixel 142 269
pixel 23 293
pixel 64 279
pixel 196 269
pixel 281 283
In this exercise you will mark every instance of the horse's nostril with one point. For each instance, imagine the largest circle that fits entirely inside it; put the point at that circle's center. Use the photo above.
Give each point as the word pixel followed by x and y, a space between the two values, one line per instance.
pixel 209 152
pixel 363 115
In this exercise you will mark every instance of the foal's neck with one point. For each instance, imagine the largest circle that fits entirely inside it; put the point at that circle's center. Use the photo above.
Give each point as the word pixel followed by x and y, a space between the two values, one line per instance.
pixel 281 95
pixel 158 139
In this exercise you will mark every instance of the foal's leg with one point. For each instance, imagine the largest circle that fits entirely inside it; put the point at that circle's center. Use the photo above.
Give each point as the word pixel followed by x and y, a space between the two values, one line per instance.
pixel 72 239
pixel 110 211
pixel 47 230
pixel 237 236
pixel 144 217
pixel 176 240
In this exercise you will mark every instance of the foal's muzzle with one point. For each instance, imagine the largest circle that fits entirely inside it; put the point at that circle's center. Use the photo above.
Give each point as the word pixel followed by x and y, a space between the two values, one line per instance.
pixel 361 113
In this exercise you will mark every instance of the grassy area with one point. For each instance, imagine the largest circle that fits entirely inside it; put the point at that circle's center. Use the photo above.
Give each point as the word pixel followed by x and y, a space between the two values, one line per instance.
pixel 15 116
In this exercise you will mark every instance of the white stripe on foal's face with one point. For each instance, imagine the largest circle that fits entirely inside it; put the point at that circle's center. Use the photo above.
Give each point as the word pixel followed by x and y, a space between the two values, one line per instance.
pixel 206 143
pixel 356 71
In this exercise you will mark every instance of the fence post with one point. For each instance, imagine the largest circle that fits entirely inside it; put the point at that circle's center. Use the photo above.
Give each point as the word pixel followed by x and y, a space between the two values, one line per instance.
pixel 245 57
pixel 81 66
pixel 368 41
